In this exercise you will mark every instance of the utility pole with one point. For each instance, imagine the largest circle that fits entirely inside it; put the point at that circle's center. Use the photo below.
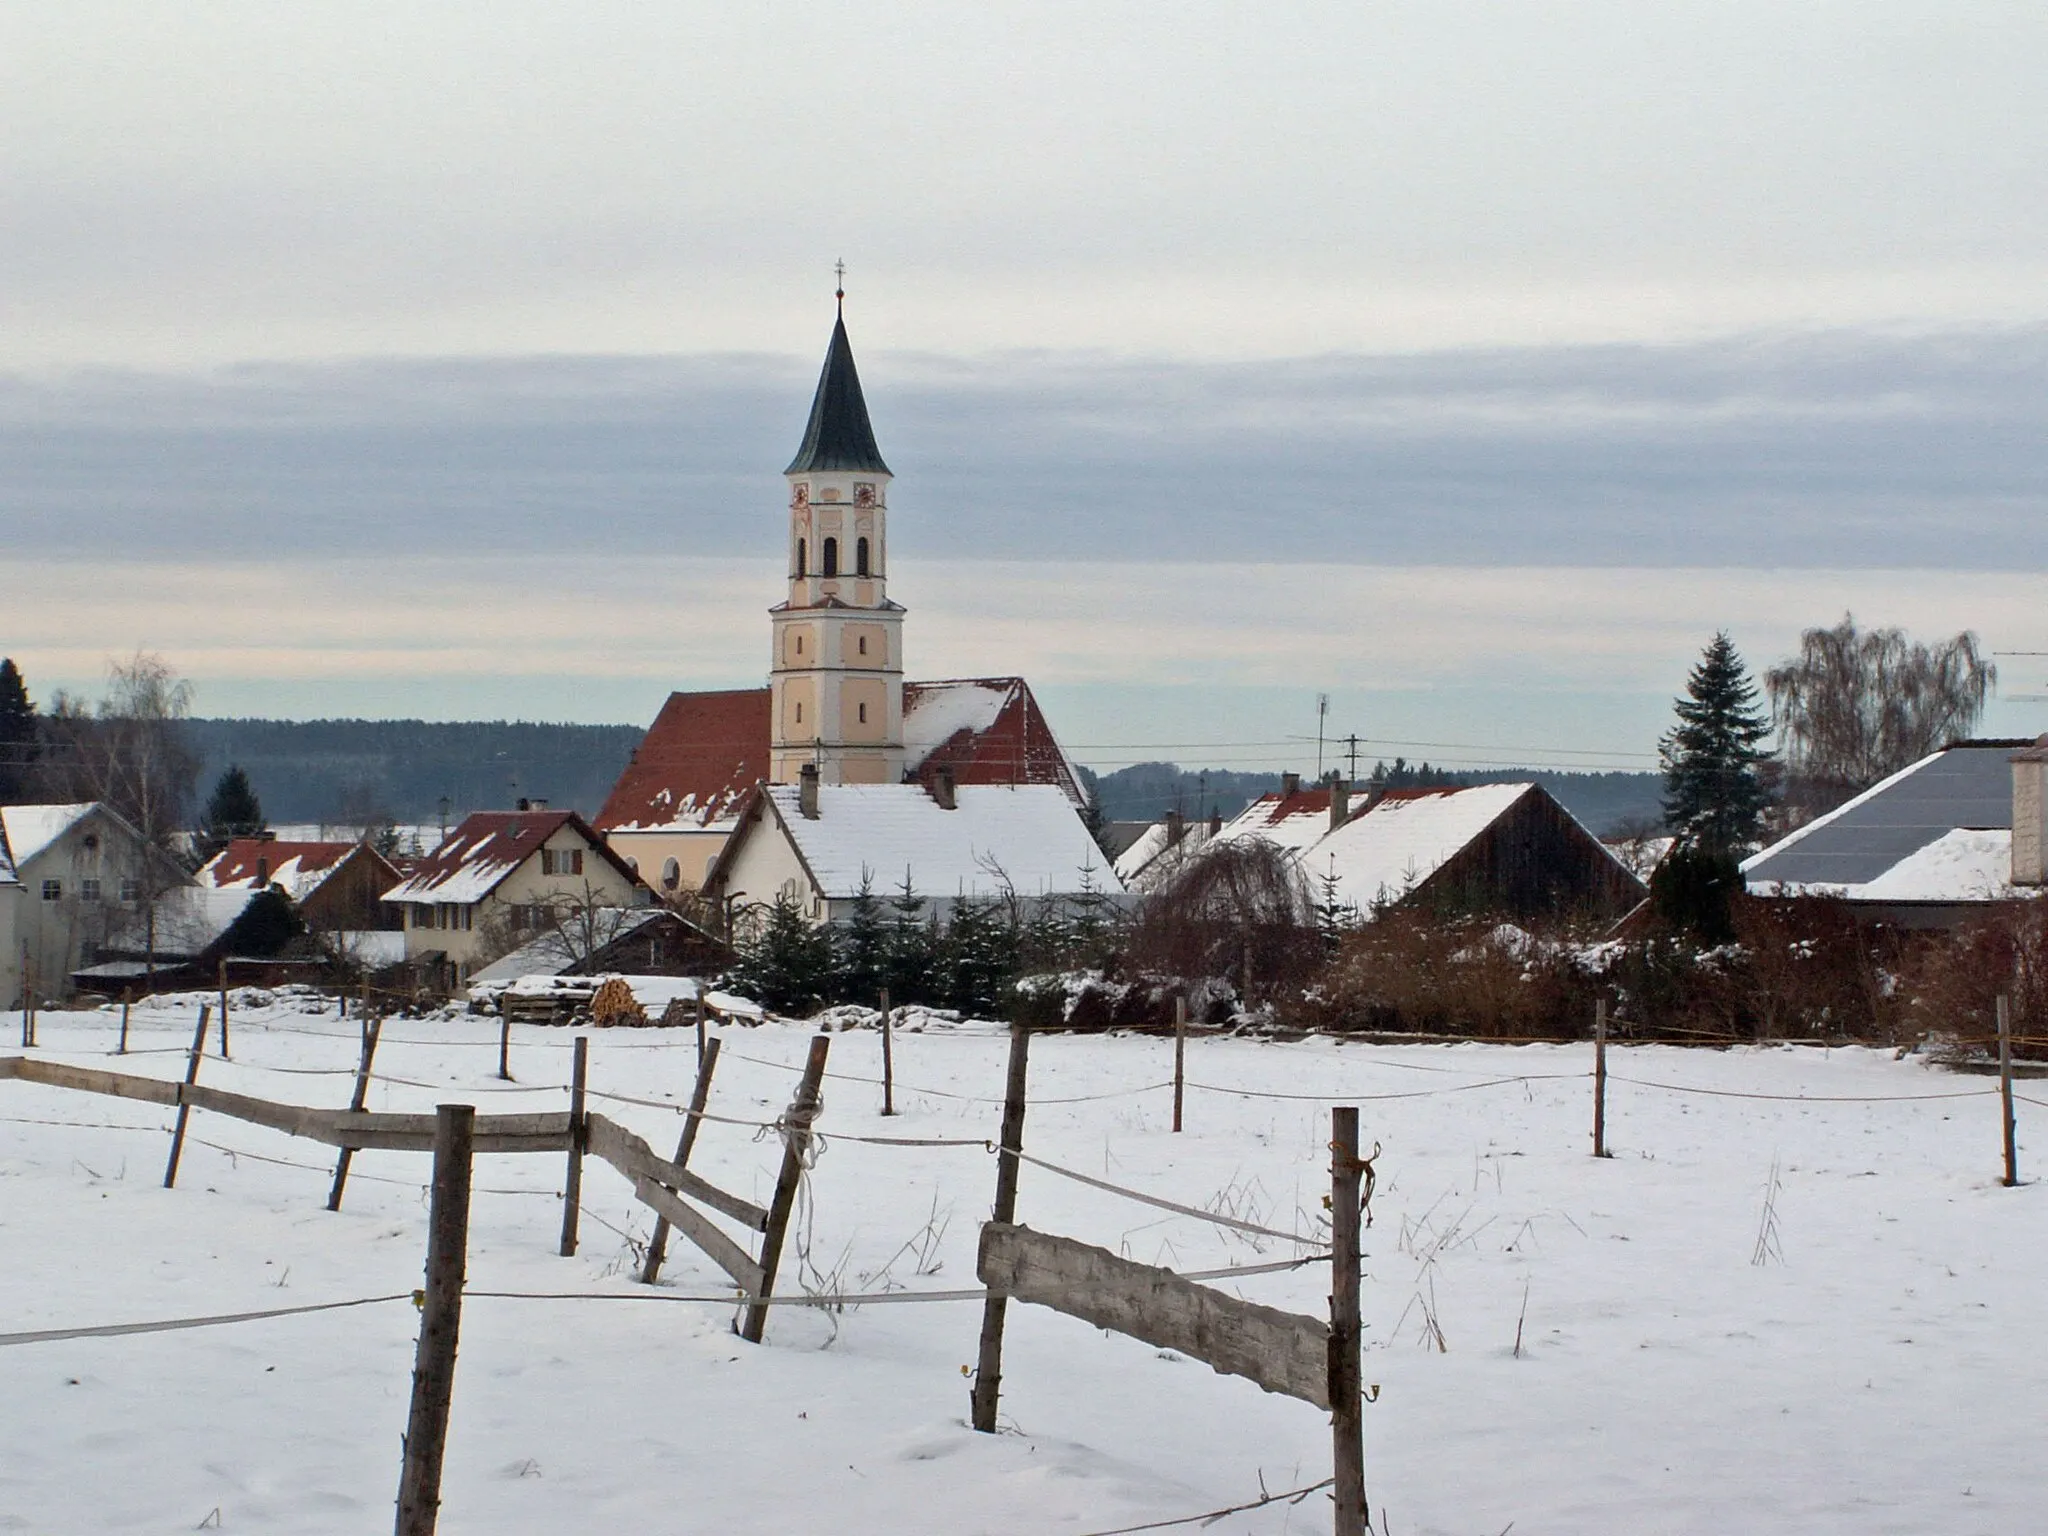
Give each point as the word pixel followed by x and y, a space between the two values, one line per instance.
pixel 1351 752
pixel 1322 717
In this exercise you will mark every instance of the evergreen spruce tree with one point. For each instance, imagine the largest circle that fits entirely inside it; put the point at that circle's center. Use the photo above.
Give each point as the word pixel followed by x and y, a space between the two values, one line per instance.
pixel 1333 914
pixel 232 810
pixel 980 956
pixel 20 736
pixel 1094 923
pixel 787 963
pixel 1714 791
pixel 912 949
pixel 265 927
pixel 863 950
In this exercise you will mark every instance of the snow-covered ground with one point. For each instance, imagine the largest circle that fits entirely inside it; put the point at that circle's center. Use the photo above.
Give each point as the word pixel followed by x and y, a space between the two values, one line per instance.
pixel 1881 1371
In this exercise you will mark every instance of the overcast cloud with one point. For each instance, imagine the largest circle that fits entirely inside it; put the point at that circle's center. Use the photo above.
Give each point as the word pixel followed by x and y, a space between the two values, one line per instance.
pixel 1833 450
pixel 1470 359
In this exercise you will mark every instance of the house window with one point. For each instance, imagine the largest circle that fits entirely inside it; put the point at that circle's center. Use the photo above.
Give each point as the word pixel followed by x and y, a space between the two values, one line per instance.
pixel 831 557
pixel 423 916
pixel 88 890
pixel 860 557
pixel 561 861
pixel 131 890
pixel 801 555
pixel 464 917
pixel 53 890
pixel 671 874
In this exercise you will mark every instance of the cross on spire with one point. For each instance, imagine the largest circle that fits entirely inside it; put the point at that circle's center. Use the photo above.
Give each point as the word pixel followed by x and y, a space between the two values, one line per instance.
pixel 839 269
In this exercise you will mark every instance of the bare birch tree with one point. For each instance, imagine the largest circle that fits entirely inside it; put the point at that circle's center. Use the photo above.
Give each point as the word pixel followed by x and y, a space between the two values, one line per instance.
pixel 1856 705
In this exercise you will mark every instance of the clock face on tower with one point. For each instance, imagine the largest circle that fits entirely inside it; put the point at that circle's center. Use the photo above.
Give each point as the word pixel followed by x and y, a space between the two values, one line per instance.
pixel 801 496
pixel 863 494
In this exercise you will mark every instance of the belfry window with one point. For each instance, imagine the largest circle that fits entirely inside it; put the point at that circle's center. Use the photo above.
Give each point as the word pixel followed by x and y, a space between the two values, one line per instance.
pixel 860 557
pixel 800 557
pixel 831 550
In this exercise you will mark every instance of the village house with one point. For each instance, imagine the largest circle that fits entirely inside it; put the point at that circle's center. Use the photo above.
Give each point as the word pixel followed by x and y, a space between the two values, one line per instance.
pixel 1950 837
pixel 337 887
pixel 501 878
pixel 88 880
pixel 11 898
pixel 1508 849
pixel 836 698
pixel 822 845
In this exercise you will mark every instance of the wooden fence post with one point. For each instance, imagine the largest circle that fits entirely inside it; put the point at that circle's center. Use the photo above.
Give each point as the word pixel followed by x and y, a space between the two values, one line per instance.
pixel 796 1149
pixel 1347 1415
pixel 657 1245
pixel 700 1027
pixel 433 1371
pixel 1180 1056
pixel 223 1010
pixel 988 1371
pixel 572 1183
pixel 2012 1152
pixel 888 1058
pixel 28 999
pixel 184 1109
pixel 126 1001
pixel 504 1043
pixel 1600 1079
pixel 372 1028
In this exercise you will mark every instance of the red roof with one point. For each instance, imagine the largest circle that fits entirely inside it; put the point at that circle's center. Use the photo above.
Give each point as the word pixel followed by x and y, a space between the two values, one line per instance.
pixel 706 750
pixel 478 855
pixel 703 752
pixel 999 734
pixel 1276 808
pixel 248 859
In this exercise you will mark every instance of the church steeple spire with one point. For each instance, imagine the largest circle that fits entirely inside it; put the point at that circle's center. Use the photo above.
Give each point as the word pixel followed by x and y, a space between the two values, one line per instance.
pixel 837 675
pixel 839 436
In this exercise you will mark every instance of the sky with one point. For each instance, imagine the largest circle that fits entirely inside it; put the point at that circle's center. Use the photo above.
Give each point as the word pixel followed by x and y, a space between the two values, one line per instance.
pixel 1469 363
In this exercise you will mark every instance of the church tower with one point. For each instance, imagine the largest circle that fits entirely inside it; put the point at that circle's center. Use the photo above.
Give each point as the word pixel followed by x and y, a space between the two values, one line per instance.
pixel 836 678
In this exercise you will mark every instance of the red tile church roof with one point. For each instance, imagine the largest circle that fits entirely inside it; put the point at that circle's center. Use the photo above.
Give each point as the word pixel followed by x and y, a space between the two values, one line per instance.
pixel 706 750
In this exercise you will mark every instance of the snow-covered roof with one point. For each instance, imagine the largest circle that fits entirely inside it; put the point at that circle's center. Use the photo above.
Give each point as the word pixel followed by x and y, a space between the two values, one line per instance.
pixel 1155 854
pixel 299 867
pixel 1026 837
pixel 376 949
pixel 1385 848
pixel 7 875
pixel 1937 831
pixel 32 828
pixel 988 730
pixel 188 920
pixel 489 845
pixel 552 953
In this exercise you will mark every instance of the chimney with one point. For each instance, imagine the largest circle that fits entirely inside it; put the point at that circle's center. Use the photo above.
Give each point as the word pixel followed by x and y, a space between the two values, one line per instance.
pixel 807 791
pixel 1340 802
pixel 537 803
pixel 262 872
pixel 1176 828
pixel 1290 784
pixel 2030 814
pixel 524 804
pixel 942 789
pixel 1215 822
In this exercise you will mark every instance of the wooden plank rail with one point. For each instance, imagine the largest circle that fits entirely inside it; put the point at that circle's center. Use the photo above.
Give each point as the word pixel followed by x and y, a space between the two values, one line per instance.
pixel 1285 1352
pixel 116 1085
pixel 357 1129
pixel 697 1227
pixel 634 1158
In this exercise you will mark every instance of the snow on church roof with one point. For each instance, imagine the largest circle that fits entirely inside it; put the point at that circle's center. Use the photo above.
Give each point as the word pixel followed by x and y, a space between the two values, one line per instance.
pixel 1027 838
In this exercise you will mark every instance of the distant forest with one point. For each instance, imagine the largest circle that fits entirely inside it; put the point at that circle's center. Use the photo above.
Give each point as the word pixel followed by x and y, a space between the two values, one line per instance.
pixel 361 771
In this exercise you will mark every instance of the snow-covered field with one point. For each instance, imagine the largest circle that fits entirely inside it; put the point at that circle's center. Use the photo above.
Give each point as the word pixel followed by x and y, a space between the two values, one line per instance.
pixel 1882 1370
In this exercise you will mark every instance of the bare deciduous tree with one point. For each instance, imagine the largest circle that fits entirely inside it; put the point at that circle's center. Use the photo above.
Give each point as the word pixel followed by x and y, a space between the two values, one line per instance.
pixel 1240 909
pixel 1856 705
